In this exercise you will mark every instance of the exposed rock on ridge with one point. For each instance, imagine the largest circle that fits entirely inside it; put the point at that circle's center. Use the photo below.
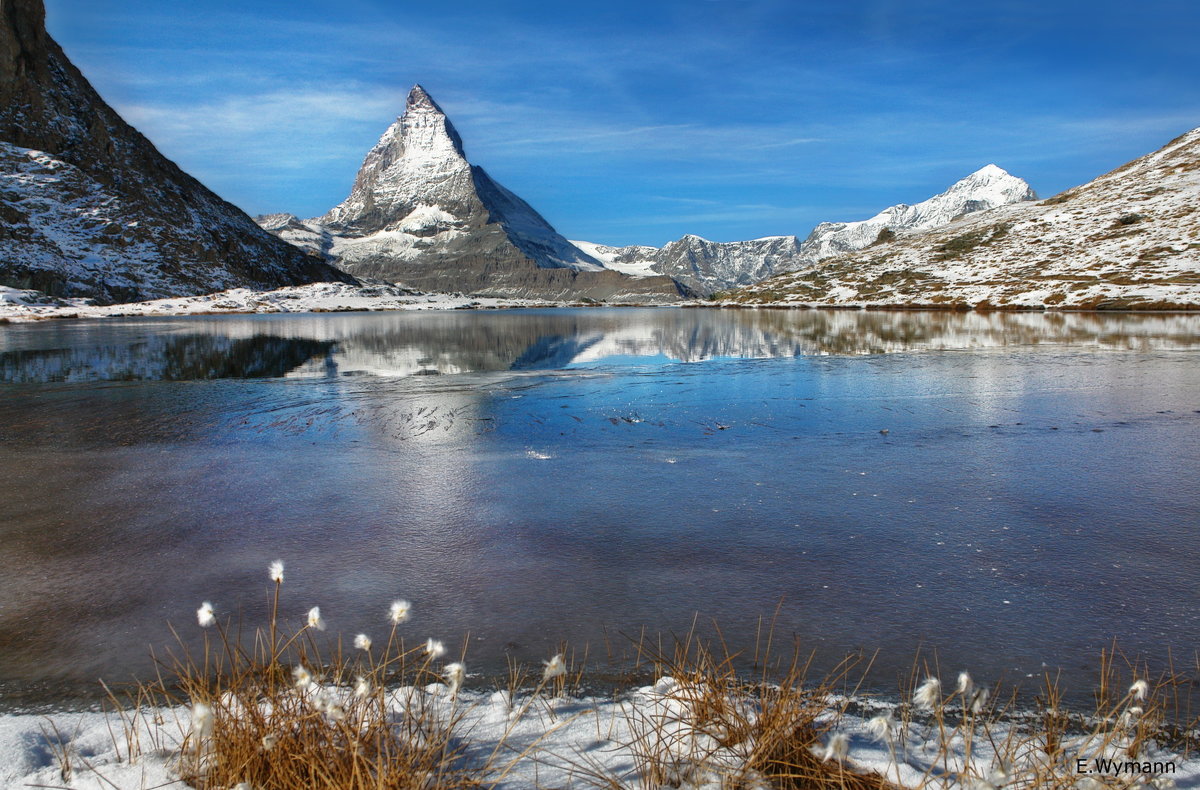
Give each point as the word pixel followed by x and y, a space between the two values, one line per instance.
pixel 421 215
pixel 91 208
pixel 1130 239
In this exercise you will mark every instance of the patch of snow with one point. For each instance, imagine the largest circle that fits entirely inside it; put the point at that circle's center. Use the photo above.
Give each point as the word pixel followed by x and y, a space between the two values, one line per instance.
pixel 549 741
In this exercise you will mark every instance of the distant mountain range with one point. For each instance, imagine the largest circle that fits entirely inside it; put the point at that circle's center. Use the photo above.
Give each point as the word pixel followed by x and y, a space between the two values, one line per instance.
pixel 706 266
pixel 1129 239
pixel 90 208
pixel 421 215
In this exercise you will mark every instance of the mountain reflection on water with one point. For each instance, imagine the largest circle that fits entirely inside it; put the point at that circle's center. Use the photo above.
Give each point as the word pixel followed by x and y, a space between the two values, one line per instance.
pixel 1008 489
pixel 406 344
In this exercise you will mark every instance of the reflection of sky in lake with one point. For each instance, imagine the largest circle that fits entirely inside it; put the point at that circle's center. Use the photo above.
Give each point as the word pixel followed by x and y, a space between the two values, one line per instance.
pixel 1031 499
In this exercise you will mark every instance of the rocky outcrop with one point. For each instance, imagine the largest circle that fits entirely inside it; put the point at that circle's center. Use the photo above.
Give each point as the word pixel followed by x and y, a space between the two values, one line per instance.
pixel 90 207
pixel 421 215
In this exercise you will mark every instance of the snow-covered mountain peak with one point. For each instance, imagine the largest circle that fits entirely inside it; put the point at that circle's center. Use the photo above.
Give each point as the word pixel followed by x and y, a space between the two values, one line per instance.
pixel 419 158
pixel 420 214
pixel 986 188
pixel 426 134
pixel 992 183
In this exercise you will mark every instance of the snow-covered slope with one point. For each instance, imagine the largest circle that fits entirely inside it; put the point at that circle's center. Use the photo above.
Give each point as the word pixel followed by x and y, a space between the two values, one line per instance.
pixel 91 209
pixel 420 214
pixel 1130 239
pixel 707 266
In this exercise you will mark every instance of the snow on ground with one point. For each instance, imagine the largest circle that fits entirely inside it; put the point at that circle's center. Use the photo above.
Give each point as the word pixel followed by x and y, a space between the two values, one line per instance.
pixel 544 741
pixel 17 305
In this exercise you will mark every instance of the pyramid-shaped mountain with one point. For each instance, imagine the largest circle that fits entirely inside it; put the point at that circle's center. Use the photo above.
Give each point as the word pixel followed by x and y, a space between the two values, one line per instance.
pixel 90 207
pixel 421 215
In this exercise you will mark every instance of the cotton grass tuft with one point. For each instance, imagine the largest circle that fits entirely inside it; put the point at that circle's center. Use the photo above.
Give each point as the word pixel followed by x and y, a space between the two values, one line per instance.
pixel 929 694
pixel 553 668
pixel 399 611
pixel 315 620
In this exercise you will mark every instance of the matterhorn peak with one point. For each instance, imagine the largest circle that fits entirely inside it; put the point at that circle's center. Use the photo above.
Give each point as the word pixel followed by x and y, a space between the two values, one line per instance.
pixel 418 97
pixel 419 159
pixel 421 214
pixel 425 127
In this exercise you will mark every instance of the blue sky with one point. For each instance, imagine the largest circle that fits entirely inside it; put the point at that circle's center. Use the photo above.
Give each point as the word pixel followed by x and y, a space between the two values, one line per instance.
pixel 635 121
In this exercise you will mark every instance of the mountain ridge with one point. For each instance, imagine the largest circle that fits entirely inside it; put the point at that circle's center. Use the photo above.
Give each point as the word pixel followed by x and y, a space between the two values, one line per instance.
pixel 709 266
pixel 1127 239
pixel 92 209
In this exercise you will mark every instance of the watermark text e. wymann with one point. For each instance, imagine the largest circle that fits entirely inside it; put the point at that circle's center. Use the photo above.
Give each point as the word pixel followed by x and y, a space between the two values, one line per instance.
pixel 1103 765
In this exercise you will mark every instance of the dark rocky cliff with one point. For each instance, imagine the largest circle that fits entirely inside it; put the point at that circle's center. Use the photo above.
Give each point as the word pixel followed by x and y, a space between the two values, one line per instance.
pixel 88 205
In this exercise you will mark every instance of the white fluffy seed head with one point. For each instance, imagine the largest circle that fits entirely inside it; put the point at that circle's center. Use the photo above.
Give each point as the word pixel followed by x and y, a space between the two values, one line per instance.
pixel 276 571
pixel 965 684
pixel 837 748
pixel 555 667
pixel 399 611
pixel 269 741
pixel 979 699
pixel 302 676
pixel 314 619
pixel 362 642
pixel 434 648
pixel 454 674
pixel 928 694
pixel 362 687
pixel 205 616
pixel 332 709
pixel 1139 689
pixel 880 727
pixel 202 720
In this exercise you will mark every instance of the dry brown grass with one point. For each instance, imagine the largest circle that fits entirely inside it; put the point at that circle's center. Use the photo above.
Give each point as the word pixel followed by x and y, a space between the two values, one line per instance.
pixel 277 714
pixel 365 721
pixel 770 731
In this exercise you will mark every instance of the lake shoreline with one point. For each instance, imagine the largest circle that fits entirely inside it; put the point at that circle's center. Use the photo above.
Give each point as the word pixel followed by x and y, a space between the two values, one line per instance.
pixel 17 306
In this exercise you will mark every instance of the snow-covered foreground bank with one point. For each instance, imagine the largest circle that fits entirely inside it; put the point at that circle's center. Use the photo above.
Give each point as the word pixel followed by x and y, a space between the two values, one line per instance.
pixel 657 736
pixel 18 305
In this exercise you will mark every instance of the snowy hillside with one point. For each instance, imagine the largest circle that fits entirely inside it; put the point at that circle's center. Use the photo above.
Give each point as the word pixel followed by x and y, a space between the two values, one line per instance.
pixel 1130 239
pixel 92 209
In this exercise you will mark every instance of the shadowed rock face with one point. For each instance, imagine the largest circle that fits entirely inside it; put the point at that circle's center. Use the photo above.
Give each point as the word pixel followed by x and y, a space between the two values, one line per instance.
pixel 421 215
pixel 91 208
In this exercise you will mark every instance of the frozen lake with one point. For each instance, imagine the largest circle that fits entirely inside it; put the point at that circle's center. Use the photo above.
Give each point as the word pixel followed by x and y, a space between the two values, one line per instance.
pixel 1012 490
